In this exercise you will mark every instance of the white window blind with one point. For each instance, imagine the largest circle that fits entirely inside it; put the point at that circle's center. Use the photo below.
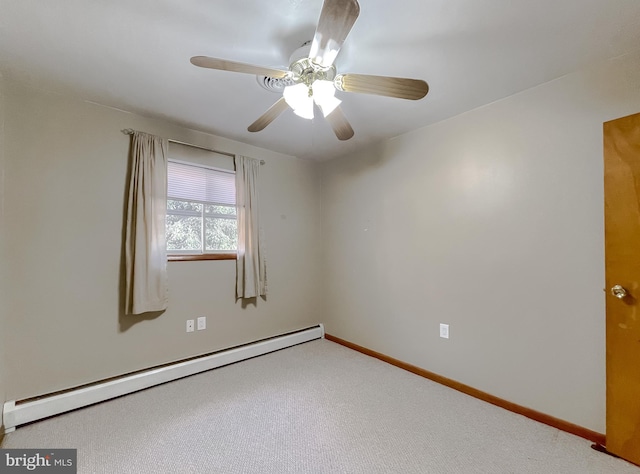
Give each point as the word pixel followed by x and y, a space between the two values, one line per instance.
pixel 197 183
pixel 201 210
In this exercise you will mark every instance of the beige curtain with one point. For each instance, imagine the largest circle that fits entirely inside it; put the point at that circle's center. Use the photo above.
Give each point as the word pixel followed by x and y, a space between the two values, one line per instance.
pixel 146 253
pixel 251 271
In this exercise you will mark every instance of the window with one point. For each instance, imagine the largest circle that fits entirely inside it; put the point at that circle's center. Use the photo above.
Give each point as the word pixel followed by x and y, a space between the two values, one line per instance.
pixel 201 212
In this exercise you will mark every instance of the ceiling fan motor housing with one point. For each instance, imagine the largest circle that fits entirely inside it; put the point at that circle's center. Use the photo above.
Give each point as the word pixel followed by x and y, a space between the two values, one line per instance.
pixel 302 70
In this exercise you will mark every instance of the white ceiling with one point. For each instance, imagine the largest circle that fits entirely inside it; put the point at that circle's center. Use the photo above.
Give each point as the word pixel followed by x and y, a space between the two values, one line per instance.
pixel 134 55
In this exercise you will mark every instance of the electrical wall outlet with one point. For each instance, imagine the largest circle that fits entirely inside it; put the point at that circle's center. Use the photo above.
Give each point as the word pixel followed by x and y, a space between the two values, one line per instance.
pixel 189 325
pixel 202 323
pixel 444 331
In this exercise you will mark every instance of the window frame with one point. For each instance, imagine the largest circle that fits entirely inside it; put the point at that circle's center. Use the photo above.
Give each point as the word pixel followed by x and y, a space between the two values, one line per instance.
pixel 185 255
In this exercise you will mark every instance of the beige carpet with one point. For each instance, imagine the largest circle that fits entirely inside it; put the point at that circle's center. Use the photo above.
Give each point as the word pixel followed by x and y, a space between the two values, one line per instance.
pixel 314 408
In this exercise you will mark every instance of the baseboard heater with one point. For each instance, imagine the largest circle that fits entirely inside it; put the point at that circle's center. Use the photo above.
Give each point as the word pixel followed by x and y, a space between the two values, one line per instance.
pixel 19 412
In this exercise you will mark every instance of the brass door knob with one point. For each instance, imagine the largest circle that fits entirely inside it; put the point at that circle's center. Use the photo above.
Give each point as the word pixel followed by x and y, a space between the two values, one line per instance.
pixel 618 291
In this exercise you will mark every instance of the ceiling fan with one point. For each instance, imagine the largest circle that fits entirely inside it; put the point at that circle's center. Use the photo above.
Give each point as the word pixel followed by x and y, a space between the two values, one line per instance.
pixel 312 77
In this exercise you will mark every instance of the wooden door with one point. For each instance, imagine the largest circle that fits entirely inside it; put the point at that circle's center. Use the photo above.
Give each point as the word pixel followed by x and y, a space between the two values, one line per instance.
pixel 622 259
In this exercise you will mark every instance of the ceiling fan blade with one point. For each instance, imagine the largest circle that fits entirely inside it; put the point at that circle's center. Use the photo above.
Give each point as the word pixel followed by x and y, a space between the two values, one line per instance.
pixel 269 116
pixel 336 20
pixel 398 87
pixel 224 65
pixel 340 125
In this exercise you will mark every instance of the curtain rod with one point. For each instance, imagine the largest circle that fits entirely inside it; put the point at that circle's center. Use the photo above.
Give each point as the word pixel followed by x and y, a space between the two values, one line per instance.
pixel 129 131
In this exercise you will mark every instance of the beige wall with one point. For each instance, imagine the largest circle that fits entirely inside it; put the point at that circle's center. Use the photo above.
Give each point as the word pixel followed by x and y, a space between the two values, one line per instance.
pixel 492 222
pixel 66 163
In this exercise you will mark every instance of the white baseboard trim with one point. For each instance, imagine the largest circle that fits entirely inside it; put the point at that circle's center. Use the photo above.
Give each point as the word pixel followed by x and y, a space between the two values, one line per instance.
pixel 16 413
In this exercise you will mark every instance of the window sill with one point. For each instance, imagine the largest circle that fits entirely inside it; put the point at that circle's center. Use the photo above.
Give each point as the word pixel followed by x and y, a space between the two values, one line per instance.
pixel 207 256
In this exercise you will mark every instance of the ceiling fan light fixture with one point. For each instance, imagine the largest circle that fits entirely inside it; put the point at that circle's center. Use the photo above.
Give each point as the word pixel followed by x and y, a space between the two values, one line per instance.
pixel 324 96
pixel 298 98
pixel 323 88
pixel 329 105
